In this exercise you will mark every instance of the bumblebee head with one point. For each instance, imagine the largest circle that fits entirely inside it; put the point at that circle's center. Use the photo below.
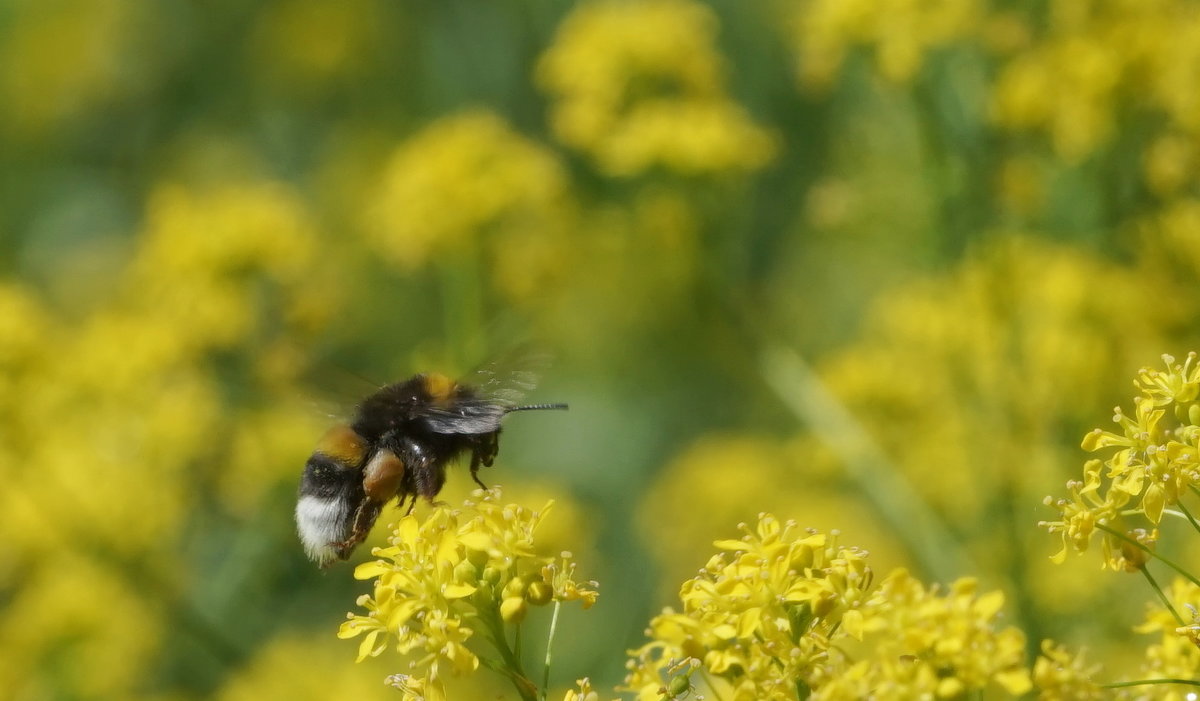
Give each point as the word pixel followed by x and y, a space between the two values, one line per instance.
pixel 330 491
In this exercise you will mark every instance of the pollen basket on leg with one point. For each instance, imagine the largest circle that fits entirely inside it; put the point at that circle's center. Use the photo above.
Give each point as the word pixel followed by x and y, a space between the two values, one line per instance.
pixel 383 475
pixel 343 444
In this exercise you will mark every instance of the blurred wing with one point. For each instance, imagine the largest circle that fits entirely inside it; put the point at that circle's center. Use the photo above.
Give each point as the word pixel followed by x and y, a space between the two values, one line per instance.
pixel 470 416
pixel 496 388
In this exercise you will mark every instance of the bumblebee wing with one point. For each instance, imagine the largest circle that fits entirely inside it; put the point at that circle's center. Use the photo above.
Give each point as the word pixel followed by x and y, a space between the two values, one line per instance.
pixel 488 394
pixel 468 416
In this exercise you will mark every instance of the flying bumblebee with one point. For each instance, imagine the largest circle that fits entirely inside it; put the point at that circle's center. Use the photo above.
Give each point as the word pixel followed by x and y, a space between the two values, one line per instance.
pixel 399 444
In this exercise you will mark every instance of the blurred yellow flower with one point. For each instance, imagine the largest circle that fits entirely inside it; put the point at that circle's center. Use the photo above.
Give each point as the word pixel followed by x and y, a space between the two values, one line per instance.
pixel 1170 163
pixel 1020 330
pixel 639 85
pixel 205 251
pixel 73 607
pixel 901 32
pixel 465 177
pixel 584 693
pixel 301 667
pixel 1174 654
pixel 1070 82
pixel 1061 676
pixel 59 59
pixel 1067 88
pixel 307 42
pixel 720 480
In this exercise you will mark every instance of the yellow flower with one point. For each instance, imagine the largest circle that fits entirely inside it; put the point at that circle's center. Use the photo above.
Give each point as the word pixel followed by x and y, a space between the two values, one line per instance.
pixel 639 85
pixel 585 692
pixel 1061 676
pixel 901 32
pixel 922 643
pixel 783 613
pixel 1157 461
pixel 1175 654
pixel 465 176
pixel 58 60
pixel 760 613
pixel 440 580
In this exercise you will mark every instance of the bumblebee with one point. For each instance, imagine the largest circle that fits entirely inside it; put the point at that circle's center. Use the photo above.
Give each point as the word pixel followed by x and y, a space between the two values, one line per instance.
pixel 398 445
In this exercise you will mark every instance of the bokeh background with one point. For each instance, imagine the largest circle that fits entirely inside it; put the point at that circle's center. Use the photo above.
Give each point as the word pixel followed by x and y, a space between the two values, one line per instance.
pixel 873 265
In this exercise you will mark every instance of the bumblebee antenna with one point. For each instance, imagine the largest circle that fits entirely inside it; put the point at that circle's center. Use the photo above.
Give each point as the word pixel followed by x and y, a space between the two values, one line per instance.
pixel 535 407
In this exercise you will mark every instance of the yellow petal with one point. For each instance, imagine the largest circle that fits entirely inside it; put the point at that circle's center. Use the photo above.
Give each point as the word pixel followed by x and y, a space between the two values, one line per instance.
pixel 476 540
pixel 1015 681
pixel 1154 501
pixel 372 569
pixel 853 624
pixel 457 591
pixel 748 622
pixel 990 604
pixel 368 648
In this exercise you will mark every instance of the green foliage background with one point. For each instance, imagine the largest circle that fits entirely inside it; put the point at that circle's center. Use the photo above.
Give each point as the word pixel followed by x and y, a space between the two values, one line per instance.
pixel 873 266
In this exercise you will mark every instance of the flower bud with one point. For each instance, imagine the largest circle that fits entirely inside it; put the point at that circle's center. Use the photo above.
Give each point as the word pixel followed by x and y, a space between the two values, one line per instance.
pixel 678 685
pixel 539 593
pixel 513 588
pixel 491 575
pixel 466 572
pixel 513 610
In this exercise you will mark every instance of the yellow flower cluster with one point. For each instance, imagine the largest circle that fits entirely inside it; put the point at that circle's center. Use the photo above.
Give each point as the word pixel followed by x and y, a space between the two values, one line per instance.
pixel 1157 461
pixel 129 379
pixel 585 692
pixel 900 31
pixel 1062 676
pixel 944 362
pixel 1176 652
pixel 925 644
pixel 441 580
pixel 639 85
pixel 760 615
pixel 1070 83
pixel 463 177
pixel 57 61
pixel 785 613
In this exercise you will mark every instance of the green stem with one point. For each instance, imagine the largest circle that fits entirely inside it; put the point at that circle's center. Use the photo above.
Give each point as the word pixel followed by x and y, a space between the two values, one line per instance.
pixel 1162 596
pixel 517 642
pixel 514 672
pixel 1147 682
pixel 896 499
pixel 550 648
pixel 1161 558
pixel 1189 516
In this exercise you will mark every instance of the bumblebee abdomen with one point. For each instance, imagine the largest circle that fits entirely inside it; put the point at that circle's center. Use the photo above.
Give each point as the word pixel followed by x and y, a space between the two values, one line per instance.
pixel 343 444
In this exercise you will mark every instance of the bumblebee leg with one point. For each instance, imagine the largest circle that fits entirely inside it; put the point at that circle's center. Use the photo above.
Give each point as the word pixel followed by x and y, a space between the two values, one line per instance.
pixel 427 476
pixel 483 452
pixel 364 517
